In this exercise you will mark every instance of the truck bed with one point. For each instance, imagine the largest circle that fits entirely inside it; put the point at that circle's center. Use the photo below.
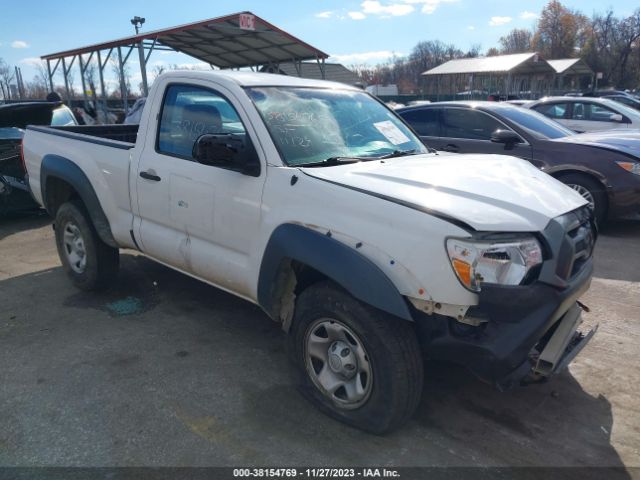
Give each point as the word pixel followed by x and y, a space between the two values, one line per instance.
pixel 99 155
pixel 119 136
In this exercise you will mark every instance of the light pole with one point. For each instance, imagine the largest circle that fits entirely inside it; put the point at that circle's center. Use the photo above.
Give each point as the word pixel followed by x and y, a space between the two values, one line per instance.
pixel 137 23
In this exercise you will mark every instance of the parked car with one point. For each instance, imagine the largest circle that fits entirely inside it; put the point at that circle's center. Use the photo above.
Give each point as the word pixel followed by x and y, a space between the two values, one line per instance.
pixel 520 102
pixel 586 114
pixel 330 214
pixel 607 93
pixel 603 167
pixel 14 117
pixel 627 100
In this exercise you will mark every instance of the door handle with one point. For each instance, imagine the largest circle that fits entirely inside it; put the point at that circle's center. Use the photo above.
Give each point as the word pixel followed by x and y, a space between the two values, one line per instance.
pixel 450 147
pixel 150 175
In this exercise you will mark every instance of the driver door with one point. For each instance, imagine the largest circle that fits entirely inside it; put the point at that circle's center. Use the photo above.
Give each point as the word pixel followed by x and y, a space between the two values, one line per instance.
pixel 467 130
pixel 199 218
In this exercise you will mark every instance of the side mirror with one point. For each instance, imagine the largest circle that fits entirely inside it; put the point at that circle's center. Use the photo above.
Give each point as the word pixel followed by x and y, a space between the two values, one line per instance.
pixel 227 150
pixel 615 117
pixel 508 137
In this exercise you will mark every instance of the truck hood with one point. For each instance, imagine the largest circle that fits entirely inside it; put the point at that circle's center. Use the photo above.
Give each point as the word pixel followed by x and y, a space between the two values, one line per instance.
pixel 486 192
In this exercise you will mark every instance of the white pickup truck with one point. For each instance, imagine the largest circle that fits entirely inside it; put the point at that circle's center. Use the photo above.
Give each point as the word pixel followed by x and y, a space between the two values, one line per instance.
pixel 316 202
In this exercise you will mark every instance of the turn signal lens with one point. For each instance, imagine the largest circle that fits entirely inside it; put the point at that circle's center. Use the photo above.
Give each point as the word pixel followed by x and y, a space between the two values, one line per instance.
pixel 633 167
pixel 463 269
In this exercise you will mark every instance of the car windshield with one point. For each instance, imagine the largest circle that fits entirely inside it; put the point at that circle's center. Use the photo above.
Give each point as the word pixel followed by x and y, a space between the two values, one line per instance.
pixel 535 123
pixel 623 109
pixel 313 125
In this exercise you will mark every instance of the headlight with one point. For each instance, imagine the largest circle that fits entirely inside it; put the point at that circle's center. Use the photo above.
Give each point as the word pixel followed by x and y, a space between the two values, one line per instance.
pixel 502 262
pixel 633 167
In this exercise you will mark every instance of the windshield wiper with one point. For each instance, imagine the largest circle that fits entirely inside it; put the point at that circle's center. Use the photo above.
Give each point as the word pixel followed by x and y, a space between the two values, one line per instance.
pixel 398 153
pixel 332 162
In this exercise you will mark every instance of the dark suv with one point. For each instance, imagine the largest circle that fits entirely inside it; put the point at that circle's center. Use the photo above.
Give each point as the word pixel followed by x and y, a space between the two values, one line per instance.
pixel 602 166
pixel 14 118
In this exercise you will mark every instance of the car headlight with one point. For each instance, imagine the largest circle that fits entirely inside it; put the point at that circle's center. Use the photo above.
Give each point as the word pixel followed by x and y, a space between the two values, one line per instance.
pixel 633 167
pixel 494 261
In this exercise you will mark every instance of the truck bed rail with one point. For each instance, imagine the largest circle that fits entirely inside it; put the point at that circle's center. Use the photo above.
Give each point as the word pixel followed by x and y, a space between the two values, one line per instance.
pixel 117 136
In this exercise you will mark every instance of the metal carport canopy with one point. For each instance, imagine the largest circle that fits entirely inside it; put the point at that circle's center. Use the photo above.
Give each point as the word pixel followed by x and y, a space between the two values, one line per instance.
pixel 222 42
pixel 499 64
pixel 571 66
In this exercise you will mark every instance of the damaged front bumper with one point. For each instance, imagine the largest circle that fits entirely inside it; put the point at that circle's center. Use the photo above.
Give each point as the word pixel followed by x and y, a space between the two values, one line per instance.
pixel 524 330
pixel 564 343
pixel 530 330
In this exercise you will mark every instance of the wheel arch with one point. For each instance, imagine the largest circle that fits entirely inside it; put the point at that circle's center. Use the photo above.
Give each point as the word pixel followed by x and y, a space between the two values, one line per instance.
pixel 296 257
pixel 560 172
pixel 63 180
pixel 589 175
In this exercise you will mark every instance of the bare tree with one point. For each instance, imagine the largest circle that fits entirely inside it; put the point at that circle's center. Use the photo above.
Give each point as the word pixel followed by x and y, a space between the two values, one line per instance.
pixel 90 80
pixel 610 46
pixel 7 74
pixel 123 76
pixel 517 40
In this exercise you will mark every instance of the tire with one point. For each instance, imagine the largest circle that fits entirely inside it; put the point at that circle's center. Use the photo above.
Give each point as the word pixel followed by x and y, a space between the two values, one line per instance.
pixel 587 186
pixel 383 345
pixel 89 262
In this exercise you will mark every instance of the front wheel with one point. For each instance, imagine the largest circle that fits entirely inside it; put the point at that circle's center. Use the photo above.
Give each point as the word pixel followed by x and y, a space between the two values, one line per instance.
pixel 88 261
pixel 355 363
pixel 592 191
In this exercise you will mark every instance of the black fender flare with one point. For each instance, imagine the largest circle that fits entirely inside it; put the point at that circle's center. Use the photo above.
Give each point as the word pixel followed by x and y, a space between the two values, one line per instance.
pixel 344 265
pixel 55 166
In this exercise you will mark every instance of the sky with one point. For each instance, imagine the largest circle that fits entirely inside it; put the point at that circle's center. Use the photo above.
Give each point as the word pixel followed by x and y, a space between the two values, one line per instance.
pixel 352 32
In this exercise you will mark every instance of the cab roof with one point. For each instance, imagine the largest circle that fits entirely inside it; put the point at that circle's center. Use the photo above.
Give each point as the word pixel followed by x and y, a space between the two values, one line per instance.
pixel 253 79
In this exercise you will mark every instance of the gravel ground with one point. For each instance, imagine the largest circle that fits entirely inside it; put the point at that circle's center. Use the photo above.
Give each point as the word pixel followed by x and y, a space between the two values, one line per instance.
pixel 166 371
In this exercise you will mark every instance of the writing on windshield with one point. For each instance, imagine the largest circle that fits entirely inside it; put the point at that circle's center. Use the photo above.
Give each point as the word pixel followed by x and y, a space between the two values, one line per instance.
pixel 309 125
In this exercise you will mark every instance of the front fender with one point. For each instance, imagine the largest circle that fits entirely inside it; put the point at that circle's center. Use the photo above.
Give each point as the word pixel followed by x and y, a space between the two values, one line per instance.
pixel 340 263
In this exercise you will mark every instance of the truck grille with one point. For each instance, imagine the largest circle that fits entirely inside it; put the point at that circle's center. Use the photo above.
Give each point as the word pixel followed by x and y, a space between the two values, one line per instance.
pixel 577 246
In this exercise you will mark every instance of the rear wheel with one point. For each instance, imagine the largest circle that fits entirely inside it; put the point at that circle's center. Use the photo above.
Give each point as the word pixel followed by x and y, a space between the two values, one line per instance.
pixel 591 190
pixel 88 261
pixel 355 363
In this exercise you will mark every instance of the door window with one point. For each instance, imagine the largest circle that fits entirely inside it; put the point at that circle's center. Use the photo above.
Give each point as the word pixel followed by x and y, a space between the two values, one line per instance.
pixel 189 112
pixel 552 110
pixel 599 113
pixel 425 121
pixel 469 124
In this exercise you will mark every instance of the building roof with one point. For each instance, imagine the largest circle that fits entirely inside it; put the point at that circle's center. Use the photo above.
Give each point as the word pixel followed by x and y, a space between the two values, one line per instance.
pixel 334 72
pixel 233 41
pixel 516 63
pixel 575 66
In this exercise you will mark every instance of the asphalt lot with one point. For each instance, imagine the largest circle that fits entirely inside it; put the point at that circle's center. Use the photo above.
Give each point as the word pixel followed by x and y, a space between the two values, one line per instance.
pixel 164 370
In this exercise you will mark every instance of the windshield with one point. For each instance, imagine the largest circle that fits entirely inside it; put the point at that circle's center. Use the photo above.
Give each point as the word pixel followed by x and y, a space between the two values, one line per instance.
pixel 311 125
pixel 535 123
pixel 623 109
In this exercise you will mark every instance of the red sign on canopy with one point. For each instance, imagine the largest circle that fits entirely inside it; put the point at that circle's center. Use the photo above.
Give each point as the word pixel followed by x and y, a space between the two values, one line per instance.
pixel 247 21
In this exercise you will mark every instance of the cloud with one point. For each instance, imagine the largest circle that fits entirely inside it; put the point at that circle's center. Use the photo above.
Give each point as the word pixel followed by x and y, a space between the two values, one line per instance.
pixel 496 21
pixel 31 61
pixel 383 9
pixel 374 7
pixel 194 66
pixel 429 6
pixel 19 44
pixel 326 14
pixel 471 27
pixel 528 15
pixel 357 15
pixel 364 57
